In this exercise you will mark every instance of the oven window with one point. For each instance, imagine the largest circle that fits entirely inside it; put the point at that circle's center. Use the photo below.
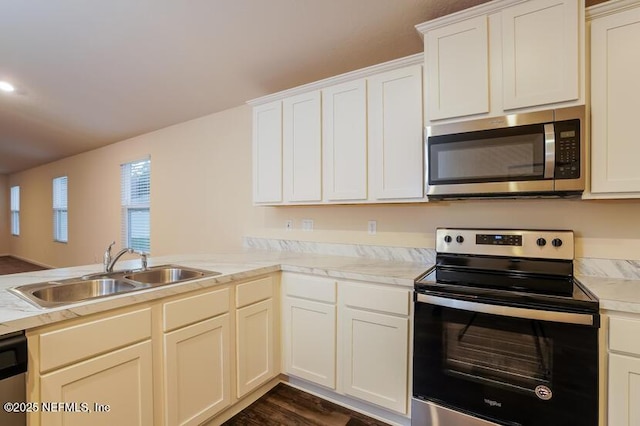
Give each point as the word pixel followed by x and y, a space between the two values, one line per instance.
pixel 511 359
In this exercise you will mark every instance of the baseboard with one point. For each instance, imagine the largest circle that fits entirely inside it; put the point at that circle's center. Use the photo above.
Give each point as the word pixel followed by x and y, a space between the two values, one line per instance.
pixel 348 402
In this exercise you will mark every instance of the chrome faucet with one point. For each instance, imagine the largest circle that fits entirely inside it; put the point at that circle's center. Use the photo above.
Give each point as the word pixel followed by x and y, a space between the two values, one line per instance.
pixel 109 262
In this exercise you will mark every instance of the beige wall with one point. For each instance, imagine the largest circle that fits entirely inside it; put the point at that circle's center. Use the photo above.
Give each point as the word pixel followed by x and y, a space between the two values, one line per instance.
pixel 201 202
pixel 5 232
pixel 200 193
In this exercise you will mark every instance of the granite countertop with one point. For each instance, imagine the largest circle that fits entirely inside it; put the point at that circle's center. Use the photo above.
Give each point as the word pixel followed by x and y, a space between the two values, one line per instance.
pixel 18 314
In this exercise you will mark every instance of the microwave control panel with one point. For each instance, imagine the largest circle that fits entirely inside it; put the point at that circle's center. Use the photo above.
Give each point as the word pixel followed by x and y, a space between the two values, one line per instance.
pixel 567 149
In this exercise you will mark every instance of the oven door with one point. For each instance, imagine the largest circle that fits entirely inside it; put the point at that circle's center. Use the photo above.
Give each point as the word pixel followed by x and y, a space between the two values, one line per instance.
pixel 511 366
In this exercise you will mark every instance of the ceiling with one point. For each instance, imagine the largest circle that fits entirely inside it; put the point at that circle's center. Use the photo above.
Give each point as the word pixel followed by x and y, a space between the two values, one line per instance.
pixel 89 73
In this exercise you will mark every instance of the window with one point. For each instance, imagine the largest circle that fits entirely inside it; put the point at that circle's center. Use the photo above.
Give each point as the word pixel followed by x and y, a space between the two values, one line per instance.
pixel 15 210
pixel 60 214
pixel 136 212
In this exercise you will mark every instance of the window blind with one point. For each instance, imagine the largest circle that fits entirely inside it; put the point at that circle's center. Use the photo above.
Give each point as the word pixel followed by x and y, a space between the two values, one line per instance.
pixel 60 212
pixel 15 210
pixel 136 206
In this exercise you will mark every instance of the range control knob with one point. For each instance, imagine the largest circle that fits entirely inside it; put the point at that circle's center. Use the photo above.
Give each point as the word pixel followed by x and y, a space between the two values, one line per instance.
pixel 556 242
pixel 460 239
pixel 541 242
pixel 447 238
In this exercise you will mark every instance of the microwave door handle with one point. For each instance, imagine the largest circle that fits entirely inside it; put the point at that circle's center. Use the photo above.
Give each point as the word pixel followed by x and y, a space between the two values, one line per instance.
pixel 549 151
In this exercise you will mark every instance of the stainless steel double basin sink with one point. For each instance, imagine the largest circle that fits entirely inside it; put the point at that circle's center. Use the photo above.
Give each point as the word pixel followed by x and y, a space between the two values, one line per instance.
pixel 73 290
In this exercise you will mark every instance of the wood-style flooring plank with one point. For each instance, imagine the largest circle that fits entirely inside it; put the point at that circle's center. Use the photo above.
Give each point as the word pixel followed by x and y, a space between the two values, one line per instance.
pixel 285 405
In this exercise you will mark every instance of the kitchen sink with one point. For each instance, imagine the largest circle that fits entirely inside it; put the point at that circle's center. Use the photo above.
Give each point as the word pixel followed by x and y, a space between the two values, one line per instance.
pixel 166 275
pixel 56 293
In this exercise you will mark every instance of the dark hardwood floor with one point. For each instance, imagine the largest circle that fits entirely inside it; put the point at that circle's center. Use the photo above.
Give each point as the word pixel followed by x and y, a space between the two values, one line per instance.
pixel 11 265
pixel 284 405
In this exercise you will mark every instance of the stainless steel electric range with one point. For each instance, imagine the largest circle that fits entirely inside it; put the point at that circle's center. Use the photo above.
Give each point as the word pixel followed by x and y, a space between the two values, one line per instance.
pixel 503 332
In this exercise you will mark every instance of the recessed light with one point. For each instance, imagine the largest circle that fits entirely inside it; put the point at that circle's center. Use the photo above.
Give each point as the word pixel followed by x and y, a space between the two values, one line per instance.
pixel 6 87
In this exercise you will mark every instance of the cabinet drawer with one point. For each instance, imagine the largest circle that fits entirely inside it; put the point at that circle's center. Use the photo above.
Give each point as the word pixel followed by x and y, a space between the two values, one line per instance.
pixel 312 288
pixel 190 310
pixel 370 296
pixel 71 344
pixel 623 334
pixel 254 291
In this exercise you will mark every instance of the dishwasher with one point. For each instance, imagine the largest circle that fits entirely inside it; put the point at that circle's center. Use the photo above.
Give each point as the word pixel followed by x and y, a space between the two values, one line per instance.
pixel 13 367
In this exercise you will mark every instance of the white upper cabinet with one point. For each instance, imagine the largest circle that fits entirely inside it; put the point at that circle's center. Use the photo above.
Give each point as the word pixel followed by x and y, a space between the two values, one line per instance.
pixel 344 138
pixel 504 56
pixel 615 100
pixel 355 138
pixel 540 53
pixel 267 153
pixel 395 134
pixel 457 60
pixel 302 148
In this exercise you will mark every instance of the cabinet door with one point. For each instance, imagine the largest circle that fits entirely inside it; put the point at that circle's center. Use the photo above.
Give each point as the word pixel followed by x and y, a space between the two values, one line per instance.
pixel 121 380
pixel 309 340
pixel 267 153
pixel 197 371
pixel 540 52
pixel 302 148
pixel 624 390
pixel 374 357
pixel 457 69
pixel 255 346
pixel 615 102
pixel 395 134
pixel 344 141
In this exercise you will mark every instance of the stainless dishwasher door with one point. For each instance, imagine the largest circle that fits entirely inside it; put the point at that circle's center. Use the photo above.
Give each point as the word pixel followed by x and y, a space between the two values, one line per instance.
pixel 13 365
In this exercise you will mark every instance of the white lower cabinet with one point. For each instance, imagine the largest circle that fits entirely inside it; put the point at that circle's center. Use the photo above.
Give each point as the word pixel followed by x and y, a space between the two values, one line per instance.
pixel 93 371
pixel 197 371
pixel 362 352
pixel 624 371
pixel 255 335
pixel 119 383
pixel 309 328
pixel 374 357
pixel 374 349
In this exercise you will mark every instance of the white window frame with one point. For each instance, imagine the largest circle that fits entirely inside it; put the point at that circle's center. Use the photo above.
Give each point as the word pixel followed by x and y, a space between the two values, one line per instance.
pixel 136 198
pixel 15 210
pixel 60 210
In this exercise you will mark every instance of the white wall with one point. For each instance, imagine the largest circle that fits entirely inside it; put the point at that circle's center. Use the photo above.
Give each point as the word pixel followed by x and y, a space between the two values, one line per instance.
pixel 201 202
pixel 200 193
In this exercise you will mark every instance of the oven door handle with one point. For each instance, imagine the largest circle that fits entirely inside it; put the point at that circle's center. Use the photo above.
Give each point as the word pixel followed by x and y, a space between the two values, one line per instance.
pixel 508 311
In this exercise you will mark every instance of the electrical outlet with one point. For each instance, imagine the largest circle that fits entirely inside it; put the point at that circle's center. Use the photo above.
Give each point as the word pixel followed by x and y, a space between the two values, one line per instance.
pixel 372 227
pixel 288 225
pixel 307 224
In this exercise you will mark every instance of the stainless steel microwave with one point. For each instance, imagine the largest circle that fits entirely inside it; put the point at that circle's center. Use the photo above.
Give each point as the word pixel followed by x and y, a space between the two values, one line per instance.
pixel 530 154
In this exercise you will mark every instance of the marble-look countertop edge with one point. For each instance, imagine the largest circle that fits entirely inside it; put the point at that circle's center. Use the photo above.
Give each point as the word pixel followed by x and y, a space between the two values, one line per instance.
pixel 16 314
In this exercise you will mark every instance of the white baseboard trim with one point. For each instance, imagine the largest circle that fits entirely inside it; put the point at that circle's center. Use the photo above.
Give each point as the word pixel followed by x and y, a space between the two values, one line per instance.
pixel 24 259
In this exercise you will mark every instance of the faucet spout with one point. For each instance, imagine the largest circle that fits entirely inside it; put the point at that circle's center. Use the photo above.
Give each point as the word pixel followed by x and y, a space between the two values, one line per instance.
pixel 112 262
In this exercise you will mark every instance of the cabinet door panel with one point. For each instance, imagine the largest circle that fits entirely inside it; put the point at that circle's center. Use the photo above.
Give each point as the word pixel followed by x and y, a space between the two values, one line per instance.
pixel 540 53
pixel 302 148
pixel 198 373
pixel 267 153
pixel 255 346
pixel 121 379
pixel 395 134
pixel 309 330
pixel 457 69
pixel 375 358
pixel 344 139
pixel 624 390
pixel 615 101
